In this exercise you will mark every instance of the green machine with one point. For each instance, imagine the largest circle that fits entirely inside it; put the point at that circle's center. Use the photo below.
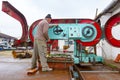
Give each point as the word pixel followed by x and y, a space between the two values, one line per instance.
pixel 84 32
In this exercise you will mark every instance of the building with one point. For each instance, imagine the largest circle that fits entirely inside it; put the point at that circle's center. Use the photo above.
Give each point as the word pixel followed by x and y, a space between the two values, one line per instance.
pixel 104 48
pixel 6 41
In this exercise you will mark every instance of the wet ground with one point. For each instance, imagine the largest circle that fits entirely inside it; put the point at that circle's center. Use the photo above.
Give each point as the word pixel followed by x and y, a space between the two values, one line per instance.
pixel 16 69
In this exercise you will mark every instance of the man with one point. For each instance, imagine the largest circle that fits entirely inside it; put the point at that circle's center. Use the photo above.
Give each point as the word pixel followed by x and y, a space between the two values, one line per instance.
pixel 40 48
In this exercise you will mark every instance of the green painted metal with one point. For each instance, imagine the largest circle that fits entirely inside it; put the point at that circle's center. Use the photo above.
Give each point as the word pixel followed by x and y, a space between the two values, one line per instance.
pixel 83 32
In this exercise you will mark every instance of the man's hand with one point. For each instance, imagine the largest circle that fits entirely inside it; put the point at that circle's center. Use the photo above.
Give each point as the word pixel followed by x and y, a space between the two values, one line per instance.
pixel 53 25
pixel 49 41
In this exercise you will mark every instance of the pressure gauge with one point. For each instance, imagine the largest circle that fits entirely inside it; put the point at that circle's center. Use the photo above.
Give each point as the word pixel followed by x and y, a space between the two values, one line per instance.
pixel 88 32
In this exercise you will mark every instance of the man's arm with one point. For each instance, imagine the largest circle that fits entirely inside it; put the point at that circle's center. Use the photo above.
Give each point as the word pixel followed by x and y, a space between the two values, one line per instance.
pixel 45 31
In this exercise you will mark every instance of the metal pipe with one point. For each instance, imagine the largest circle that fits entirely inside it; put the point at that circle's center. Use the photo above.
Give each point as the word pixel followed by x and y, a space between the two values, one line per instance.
pixel 81 77
pixel 99 71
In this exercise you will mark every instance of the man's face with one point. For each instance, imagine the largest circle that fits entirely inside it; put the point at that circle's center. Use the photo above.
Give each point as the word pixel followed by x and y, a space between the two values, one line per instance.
pixel 49 20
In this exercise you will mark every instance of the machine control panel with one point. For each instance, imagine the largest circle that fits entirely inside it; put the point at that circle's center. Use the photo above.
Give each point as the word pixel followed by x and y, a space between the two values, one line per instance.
pixel 83 32
pixel 74 32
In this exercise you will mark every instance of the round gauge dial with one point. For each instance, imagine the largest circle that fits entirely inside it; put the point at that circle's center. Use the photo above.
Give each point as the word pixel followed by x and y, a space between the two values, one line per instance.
pixel 88 32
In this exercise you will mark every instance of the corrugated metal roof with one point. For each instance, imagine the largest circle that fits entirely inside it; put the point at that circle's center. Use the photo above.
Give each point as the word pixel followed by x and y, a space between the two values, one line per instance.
pixel 6 36
pixel 109 9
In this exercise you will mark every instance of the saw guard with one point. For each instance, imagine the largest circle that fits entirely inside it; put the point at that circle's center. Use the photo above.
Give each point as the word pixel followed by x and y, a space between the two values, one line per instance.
pixel 66 21
pixel 108 30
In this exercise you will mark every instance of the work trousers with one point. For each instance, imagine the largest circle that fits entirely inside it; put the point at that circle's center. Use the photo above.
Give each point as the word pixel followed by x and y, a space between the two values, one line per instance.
pixel 39 52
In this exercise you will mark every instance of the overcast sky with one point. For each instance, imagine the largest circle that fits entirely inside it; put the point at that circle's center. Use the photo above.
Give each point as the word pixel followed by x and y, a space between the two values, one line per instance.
pixel 38 9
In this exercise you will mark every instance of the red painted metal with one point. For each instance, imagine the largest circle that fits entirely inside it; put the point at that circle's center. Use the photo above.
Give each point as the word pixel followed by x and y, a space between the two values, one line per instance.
pixel 13 12
pixel 55 45
pixel 108 30
pixel 32 28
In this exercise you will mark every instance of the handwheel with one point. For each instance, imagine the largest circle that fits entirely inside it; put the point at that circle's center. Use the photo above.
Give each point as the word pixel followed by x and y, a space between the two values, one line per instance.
pixel 57 30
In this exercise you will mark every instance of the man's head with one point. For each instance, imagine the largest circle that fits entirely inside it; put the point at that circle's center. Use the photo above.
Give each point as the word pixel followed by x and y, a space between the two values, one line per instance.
pixel 48 18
